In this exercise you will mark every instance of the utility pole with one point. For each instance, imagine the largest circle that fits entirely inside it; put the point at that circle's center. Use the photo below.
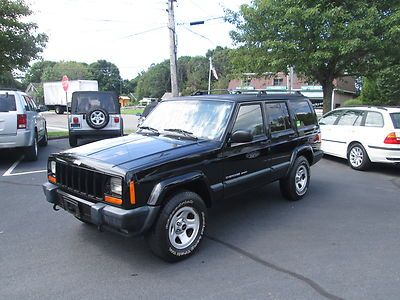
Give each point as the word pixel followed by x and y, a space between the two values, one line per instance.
pixel 172 49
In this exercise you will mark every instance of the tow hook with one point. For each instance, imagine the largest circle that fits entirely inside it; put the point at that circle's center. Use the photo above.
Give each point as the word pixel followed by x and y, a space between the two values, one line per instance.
pixel 55 207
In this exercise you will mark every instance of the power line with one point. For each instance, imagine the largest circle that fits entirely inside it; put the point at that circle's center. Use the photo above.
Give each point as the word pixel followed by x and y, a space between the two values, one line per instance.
pixel 142 32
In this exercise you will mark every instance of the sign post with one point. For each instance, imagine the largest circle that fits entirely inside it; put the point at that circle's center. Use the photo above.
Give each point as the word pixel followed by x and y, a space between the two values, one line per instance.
pixel 65 84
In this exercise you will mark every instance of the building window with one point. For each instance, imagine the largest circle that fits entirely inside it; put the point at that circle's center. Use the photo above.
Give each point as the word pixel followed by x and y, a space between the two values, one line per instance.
pixel 278 81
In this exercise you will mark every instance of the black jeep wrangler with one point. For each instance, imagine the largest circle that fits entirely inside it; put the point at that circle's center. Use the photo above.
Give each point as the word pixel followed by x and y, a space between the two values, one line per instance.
pixel 188 153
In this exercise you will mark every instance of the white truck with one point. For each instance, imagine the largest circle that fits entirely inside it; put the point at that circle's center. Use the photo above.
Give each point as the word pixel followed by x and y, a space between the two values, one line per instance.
pixel 56 98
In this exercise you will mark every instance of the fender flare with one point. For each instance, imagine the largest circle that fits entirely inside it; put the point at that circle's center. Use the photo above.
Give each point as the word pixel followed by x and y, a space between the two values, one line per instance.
pixel 161 188
pixel 296 153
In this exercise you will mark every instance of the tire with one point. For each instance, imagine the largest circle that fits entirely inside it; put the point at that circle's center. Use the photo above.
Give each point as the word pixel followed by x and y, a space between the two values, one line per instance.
pixel 45 139
pixel 73 140
pixel 97 118
pixel 59 110
pixel 31 152
pixel 358 158
pixel 166 237
pixel 295 185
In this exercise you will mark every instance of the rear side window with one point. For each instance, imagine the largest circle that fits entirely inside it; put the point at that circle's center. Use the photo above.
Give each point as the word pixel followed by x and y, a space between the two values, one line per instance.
pixel 396 120
pixel 303 113
pixel 330 118
pixel 278 116
pixel 7 103
pixel 374 119
pixel 350 118
pixel 250 118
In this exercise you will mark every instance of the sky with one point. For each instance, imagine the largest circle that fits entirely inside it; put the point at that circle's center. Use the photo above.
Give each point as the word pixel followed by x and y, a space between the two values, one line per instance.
pixel 132 34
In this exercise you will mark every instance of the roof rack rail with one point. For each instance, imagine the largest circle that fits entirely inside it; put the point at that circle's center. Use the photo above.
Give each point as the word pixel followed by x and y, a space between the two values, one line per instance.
pixel 9 89
pixel 205 92
pixel 368 106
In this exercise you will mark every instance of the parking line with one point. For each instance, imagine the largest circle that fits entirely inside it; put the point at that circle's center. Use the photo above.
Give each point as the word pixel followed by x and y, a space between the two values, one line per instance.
pixel 9 171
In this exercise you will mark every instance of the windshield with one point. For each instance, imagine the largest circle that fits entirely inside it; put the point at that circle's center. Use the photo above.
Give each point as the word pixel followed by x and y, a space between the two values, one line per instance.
pixel 202 119
pixel 83 102
pixel 396 120
pixel 7 103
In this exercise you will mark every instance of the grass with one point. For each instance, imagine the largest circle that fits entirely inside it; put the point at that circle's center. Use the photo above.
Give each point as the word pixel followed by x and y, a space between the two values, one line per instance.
pixel 131 111
pixel 57 134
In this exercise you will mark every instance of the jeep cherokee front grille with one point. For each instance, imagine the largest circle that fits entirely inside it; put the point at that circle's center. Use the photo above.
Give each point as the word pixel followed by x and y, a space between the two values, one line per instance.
pixel 85 183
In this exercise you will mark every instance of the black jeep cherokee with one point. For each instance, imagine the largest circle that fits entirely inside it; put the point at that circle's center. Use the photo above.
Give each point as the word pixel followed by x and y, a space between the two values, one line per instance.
pixel 188 153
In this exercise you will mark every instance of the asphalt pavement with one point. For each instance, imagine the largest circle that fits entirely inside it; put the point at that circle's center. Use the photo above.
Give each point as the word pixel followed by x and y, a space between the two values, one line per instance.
pixel 341 241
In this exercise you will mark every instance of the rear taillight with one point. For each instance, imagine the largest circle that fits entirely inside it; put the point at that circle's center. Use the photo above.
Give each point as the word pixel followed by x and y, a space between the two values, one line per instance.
pixel 21 121
pixel 75 120
pixel 116 120
pixel 392 139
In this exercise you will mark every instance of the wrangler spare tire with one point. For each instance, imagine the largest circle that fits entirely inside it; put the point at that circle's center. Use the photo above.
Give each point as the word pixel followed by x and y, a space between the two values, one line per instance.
pixel 97 118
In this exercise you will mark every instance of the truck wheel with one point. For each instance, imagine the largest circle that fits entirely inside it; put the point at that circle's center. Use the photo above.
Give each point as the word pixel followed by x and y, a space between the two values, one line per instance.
pixel 31 152
pixel 179 228
pixel 59 110
pixel 295 185
pixel 45 139
pixel 73 140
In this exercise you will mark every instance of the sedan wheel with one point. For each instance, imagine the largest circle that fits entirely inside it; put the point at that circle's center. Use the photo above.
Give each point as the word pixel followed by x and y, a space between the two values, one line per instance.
pixel 358 157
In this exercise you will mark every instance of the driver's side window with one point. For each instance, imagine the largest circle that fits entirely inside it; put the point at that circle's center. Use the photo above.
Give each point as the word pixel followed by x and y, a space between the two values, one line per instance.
pixel 250 119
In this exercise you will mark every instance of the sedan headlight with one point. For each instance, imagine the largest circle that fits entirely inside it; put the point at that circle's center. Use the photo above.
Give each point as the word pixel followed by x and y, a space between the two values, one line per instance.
pixel 116 186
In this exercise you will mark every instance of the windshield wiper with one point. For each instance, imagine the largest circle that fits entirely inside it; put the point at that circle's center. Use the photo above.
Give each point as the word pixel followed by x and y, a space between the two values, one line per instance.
pixel 149 128
pixel 183 132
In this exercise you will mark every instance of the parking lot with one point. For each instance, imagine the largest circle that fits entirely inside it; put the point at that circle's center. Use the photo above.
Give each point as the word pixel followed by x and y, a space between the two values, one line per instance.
pixel 340 242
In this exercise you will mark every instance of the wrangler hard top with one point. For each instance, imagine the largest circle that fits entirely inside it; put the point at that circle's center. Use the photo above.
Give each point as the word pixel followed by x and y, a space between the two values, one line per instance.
pixel 188 153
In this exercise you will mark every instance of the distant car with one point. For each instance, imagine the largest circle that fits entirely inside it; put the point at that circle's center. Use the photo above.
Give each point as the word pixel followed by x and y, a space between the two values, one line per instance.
pixel 94 114
pixel 21 123
pixel 362 135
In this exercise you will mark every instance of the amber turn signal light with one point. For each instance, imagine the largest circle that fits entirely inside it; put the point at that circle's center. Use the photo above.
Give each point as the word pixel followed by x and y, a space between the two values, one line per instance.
pixel 132 192
pixel 113 200
pixel 52 179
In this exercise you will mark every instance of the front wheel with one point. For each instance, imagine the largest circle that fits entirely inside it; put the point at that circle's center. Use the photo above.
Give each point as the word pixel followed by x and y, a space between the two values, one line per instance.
pixel 179 228
pixel 358 157
pixel 295 185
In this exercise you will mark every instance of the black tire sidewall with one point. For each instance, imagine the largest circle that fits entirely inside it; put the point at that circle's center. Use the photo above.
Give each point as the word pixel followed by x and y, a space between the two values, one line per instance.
pixel 365 162
pixel 288 185
pixel 31 153
pixel 73 140
pixel 94 126
pixel 159 237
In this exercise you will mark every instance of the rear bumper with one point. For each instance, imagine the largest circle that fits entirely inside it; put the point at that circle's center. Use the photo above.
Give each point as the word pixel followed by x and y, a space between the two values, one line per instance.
pixel 22 138
pixel 94 133
pixel 390 155
pixel 124 222
pixel 317 156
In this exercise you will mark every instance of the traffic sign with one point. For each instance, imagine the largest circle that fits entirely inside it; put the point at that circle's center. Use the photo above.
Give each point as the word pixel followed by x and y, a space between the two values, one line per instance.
pixel 65 83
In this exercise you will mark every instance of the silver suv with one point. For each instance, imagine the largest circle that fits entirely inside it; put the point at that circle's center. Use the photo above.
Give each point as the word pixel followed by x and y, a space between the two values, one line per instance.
pixel 21 123
pixel 94 114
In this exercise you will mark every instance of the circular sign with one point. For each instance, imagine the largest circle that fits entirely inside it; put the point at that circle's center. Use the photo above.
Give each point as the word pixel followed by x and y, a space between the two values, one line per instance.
pixel 65 83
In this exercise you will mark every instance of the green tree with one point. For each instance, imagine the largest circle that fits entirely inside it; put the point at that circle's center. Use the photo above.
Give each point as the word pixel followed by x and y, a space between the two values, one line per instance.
pixel 35 72
pixel 74 70
pixel 19 41
pixel 107 75
pixel 383 88
pixel 155 81
pixel 321 39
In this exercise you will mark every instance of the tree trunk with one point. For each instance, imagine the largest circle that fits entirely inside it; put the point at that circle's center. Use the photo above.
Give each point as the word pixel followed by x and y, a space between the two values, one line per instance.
pixel 327 89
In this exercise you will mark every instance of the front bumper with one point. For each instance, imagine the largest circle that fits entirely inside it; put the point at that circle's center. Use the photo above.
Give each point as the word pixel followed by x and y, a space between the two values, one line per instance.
pixel 122 221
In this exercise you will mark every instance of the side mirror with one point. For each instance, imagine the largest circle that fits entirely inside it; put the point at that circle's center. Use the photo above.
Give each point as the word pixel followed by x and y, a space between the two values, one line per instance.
pixel 241 136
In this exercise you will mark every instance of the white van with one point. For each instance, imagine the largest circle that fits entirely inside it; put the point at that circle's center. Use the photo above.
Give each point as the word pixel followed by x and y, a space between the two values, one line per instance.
pixel 362 135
